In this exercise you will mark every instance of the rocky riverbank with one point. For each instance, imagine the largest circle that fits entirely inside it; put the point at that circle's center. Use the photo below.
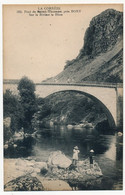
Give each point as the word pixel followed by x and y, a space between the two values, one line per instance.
pixel 29 174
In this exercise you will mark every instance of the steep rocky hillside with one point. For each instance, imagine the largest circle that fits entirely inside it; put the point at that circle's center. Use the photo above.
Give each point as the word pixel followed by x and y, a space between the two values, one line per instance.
pixel 101 57
pixel 65 108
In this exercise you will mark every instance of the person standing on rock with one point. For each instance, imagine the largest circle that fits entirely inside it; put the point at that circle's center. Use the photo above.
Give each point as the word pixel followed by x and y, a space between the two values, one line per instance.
pixel 75 155
pixel 91 158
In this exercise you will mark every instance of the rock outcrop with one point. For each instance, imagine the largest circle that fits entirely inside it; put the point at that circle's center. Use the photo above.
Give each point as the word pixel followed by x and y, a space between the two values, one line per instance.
pixel 101 57
pixel 81 173
pixel 103 33
pixel 24 183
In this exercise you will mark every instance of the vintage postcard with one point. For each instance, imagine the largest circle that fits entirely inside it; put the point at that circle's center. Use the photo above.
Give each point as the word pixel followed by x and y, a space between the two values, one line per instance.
pixel 63 97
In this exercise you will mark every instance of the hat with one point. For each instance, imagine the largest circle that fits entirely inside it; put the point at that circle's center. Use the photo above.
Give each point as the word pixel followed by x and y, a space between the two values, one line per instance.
pixel 91 150
pixel 76 147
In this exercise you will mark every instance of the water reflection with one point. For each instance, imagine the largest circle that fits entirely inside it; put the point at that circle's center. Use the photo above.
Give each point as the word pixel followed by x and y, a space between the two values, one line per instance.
pixel 111 152
pixel 61 138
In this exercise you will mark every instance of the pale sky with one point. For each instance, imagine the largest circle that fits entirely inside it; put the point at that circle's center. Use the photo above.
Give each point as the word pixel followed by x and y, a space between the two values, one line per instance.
pixel 39 46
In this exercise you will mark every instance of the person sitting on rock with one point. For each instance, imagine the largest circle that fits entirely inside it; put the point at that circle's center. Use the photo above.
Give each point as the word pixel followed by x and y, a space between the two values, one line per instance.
pixel 75 155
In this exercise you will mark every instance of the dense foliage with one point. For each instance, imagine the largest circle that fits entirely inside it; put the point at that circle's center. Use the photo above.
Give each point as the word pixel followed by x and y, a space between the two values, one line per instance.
pixel 44 111
pixel 19 109
pixel 28 101
pixel 13 109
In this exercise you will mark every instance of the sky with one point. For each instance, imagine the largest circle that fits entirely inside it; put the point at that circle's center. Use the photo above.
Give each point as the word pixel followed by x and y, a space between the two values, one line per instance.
pixel 39 46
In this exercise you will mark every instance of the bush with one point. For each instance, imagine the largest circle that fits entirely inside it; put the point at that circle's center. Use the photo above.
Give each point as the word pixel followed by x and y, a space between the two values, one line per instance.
pixel 43 171
pixel 13 109
pixel 7 133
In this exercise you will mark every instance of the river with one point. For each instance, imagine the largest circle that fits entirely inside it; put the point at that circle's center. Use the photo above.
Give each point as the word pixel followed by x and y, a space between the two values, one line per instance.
pixel 107 151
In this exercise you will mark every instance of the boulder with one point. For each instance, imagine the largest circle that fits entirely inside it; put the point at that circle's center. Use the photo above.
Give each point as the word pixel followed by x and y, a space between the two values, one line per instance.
pixel 69 126
pixel 7 121
pixel 18 136
pixel 6 146
pixel 59 159
pixel 24 183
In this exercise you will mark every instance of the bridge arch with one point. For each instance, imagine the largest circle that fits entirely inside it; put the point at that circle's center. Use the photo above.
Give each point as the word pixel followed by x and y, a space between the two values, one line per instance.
pixel 110 118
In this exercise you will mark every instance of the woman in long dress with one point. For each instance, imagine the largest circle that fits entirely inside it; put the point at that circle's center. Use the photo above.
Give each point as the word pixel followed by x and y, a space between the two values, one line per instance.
pixel 75 155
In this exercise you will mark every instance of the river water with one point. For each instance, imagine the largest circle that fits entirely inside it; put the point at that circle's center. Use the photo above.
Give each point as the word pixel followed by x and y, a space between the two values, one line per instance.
pixel 107 151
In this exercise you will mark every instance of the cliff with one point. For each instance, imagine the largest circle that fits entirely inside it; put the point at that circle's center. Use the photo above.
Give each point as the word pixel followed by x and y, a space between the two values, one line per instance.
pixel 101 57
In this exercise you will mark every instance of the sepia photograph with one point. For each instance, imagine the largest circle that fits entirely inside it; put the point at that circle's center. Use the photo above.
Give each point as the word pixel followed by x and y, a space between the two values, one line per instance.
pixel 62 97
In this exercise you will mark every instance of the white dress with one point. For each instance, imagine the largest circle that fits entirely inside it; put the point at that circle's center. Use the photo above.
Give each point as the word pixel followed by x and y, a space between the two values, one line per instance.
pixel 75 154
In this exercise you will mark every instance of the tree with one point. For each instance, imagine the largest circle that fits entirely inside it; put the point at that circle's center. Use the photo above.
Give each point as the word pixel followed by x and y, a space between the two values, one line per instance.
pixel 38 118
pixel 13 109
pixel 26 89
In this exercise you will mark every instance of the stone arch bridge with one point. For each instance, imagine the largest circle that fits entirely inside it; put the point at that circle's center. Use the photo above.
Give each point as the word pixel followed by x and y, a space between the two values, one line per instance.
pixel 108 96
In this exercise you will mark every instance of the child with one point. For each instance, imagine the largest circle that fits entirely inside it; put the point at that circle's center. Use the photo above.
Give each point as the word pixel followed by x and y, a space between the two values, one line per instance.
pixel 75 155
pixel 91 158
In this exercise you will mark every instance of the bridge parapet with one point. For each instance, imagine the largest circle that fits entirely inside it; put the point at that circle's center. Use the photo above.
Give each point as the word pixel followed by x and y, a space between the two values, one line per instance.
pixel 85 83
pixel 88 84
